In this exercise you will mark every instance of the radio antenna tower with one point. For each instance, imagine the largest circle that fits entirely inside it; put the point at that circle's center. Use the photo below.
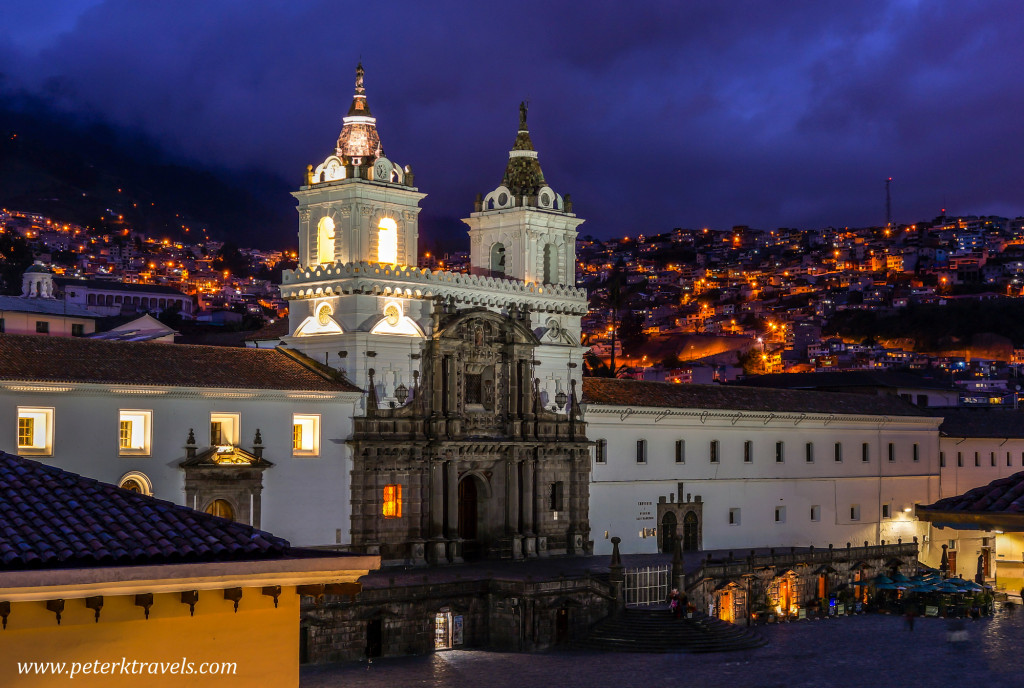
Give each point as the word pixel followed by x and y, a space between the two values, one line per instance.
pixel 888 205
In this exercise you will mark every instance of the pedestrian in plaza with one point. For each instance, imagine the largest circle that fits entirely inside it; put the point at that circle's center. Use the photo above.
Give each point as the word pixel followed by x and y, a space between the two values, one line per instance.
pixel 684 603
pixel 673 603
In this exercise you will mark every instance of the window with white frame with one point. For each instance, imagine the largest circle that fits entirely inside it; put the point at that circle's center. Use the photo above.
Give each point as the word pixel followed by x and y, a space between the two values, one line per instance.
pixel 839 451
pixel 680 451
pixel 35 431
pixel 224 429
pixel 713 451
pixel 892 452
pixel 865 452
pixel 601 451
pixel 134 432
pixel 780 514
pixel 809 452
pixel 917 451
pixel 780 452
pixel 734 517
pixel 641 451
pixel 306 434
pixel 886 511
pixel 816 512
pixel 748 452
pixel 855 512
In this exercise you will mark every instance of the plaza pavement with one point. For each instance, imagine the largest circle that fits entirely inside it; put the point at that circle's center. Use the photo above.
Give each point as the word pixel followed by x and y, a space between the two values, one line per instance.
pixel 869 650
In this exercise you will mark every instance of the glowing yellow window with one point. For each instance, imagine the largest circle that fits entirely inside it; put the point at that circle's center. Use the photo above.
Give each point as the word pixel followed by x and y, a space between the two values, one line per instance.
pixel 35 431
pixel 325 240
pixel 26 431
pixel 305 434
pixel 392 501
pixel 387 241
pixel 133 432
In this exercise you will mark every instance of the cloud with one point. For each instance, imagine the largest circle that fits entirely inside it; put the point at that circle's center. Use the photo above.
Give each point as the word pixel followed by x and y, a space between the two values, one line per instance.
pixel 653 115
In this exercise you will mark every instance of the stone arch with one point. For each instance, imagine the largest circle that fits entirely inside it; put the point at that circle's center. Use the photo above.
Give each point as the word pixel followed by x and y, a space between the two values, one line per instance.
pixel 325 238
pixel 691 532
pixel 221 507
pixel 668 532
pixel 498 259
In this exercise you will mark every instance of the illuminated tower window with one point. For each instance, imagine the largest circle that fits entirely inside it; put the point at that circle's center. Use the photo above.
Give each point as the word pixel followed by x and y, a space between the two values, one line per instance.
pixel 387 241
pixel 392 501
pixel 325 240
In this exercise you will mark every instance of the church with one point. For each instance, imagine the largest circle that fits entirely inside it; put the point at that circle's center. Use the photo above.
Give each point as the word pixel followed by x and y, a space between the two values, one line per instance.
pixel 469 441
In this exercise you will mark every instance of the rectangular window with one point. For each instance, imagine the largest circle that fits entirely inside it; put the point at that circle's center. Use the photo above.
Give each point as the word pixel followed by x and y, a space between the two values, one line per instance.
pixel 224 429
pixel 780 514
pixel 714 451
pixel 839 451
pixel 942 459
pixel 641 451
pixel 917 451
pixel 474 389
pixel 35 431
pixel 680 451
pixel 977 460
pixel 885 511
pixel 2 327
pixel 134 432
pixel 809 452
pixel 392 505
pixel 959 459
pixel 306 434
pixel 780 452
pixel 892 452
pixel 865 452
pixel 1009 461
pixel 601 451
pixel 748 452
pixel 734 517
pixel 557 496
pixel 42 327
pixel 855 512
pixel 992 459
pixel 816 513
pixel 77 330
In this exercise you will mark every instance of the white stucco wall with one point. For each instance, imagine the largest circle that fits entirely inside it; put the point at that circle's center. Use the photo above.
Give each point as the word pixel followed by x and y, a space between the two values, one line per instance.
pixel 624 493
pixel 304 499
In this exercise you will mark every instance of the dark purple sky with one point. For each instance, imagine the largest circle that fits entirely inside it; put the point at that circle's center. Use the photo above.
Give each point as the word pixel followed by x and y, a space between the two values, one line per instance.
pixel 652 114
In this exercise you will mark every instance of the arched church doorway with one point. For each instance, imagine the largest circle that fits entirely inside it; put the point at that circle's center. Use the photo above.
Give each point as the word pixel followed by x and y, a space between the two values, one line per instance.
pixel 668 532
pixel 691 541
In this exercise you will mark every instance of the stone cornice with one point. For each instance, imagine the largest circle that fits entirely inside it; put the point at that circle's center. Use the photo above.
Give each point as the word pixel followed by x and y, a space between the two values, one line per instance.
pixel 143 392
pixel 762 417
pixel 414 282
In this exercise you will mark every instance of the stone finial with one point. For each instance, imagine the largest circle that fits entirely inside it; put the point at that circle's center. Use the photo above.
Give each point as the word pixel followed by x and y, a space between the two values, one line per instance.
pixel 567 202
pixel 190 445
pixel 616 556
pixel 191 437
pixel 309 175
pixel 523 108
pixel 258 439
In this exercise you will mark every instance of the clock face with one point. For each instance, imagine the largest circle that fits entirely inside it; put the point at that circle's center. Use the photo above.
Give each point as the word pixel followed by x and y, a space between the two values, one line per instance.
pixel 391 315
pixel 381 170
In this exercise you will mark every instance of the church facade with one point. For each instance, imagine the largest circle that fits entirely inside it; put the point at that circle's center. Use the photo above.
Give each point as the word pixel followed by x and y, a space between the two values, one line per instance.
pixel 468 442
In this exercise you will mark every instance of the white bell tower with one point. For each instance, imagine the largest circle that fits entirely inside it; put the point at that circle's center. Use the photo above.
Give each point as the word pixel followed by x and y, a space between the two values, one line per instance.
pixel 357 205
pixel 524 230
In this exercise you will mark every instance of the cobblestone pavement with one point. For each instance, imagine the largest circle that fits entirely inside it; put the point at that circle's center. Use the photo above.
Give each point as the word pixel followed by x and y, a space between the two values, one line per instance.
pixel 871 650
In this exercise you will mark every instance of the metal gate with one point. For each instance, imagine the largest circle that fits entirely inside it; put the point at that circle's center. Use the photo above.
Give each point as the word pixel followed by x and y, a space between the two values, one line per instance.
pixel 647 586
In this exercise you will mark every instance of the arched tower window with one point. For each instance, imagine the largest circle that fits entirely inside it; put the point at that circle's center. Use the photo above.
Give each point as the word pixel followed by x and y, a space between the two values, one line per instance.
pixel 498 259
pixel 325 240
pixel 387 241
pixel 550 264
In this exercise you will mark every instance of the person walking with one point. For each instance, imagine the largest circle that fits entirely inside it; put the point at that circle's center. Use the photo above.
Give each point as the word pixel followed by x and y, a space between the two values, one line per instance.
pixel 674 605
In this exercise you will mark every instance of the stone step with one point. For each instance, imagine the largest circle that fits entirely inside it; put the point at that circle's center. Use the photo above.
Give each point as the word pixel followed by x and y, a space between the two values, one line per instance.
pixel 658 631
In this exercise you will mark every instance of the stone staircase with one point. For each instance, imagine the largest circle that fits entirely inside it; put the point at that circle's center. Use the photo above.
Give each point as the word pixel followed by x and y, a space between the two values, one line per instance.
pixel 655 630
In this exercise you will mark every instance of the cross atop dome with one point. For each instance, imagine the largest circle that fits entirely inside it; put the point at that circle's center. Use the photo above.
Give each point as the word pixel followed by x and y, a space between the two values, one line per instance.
pixel 523 175
pixel 359 137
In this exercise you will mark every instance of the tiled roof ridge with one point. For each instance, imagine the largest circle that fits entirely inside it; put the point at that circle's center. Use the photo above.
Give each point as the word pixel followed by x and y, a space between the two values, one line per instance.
pixel 52 518
pixel 324 371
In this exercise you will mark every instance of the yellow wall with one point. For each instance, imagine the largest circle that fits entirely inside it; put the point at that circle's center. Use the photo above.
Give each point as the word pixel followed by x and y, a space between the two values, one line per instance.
pixel 264 641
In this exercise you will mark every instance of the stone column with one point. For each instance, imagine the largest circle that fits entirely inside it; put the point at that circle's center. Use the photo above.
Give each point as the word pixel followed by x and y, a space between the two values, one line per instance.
pixel 455 543
pixel 511 496
pixel 436 499
pixel 528 492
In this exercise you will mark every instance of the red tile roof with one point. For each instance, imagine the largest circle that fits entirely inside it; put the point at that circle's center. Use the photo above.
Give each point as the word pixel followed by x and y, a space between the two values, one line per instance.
pixel 999 496
pixel 69 359
pixel 50 518
pixel 615 392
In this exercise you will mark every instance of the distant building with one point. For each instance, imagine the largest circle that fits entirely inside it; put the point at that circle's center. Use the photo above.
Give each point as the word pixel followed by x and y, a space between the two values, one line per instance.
pixel 108 298
pixel 38 311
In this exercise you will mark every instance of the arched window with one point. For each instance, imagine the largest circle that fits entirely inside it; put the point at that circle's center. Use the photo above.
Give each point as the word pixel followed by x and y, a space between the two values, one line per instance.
pixel 221 507
pixel 136 482
pixel 387 241
pixel 550 264
pixel 325 240
pixel 498 259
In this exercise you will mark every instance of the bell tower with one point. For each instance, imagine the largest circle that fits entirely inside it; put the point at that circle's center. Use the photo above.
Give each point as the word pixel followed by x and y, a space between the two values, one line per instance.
pixel 357 205
pixel 524 230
